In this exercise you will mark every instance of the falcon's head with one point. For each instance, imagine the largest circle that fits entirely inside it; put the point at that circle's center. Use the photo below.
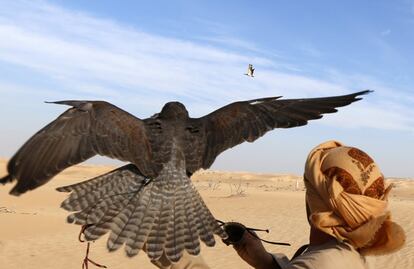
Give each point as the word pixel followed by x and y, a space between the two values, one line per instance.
pixel 173 110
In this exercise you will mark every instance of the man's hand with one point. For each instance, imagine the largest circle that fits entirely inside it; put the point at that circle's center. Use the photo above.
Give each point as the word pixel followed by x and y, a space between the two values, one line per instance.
pixel 251 250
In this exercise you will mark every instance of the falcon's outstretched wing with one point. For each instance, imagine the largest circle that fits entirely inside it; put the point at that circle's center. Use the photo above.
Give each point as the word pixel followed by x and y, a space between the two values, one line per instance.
pixel 249 120
pixel 86 129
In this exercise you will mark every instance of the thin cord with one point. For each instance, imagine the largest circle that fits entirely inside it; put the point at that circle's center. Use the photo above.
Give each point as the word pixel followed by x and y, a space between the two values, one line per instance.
pixel 250 230
pixel 86 260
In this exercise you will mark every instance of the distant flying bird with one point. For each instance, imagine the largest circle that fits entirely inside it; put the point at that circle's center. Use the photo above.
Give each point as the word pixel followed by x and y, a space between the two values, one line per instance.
pixel 250 71
pixel 151 201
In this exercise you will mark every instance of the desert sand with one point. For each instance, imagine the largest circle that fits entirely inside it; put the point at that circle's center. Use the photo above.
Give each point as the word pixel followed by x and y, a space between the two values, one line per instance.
pixel 34 232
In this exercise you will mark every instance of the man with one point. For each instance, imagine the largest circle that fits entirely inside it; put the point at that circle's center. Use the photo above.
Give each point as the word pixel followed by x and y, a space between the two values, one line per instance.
pixel 346 202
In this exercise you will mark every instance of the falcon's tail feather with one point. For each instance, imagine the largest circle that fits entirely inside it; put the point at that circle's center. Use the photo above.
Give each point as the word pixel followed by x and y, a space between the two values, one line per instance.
pixel 165 215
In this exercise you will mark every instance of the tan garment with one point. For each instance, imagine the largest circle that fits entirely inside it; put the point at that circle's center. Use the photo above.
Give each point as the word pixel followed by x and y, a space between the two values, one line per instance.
pixel 331 255
pixel 187 261
pixel 347 197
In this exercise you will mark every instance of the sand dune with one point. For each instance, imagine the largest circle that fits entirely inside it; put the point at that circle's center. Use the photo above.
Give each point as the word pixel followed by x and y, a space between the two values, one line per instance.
pixel 34 232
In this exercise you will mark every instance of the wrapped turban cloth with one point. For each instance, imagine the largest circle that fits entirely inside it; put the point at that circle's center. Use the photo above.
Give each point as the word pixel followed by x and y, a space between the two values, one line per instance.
pixel 347 198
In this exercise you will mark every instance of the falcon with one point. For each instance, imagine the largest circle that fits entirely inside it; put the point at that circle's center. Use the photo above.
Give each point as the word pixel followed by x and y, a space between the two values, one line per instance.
pixel 250 71
pixel 150 203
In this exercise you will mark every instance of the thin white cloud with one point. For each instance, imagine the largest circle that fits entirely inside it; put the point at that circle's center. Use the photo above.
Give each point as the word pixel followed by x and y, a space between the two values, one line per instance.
pixel 310 50
pixel 236 43
pixel 386 32
pixel 99 58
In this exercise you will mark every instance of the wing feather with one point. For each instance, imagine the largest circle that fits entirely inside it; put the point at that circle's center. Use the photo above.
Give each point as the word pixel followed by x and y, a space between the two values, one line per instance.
pixel 86 129
pixel 248 120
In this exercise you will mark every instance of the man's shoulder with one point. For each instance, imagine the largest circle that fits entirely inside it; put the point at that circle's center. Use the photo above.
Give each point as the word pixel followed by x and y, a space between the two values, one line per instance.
pixel 331 255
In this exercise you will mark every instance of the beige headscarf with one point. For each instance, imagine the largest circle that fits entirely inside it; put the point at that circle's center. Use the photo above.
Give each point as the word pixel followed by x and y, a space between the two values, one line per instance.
pixel 347 198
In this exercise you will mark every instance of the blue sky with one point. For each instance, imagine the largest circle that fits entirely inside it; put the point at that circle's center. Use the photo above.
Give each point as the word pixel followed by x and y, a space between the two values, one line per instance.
pixel 141 54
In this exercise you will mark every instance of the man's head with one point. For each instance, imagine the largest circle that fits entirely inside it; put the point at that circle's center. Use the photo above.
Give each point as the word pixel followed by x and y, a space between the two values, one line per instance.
pixel 346 196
